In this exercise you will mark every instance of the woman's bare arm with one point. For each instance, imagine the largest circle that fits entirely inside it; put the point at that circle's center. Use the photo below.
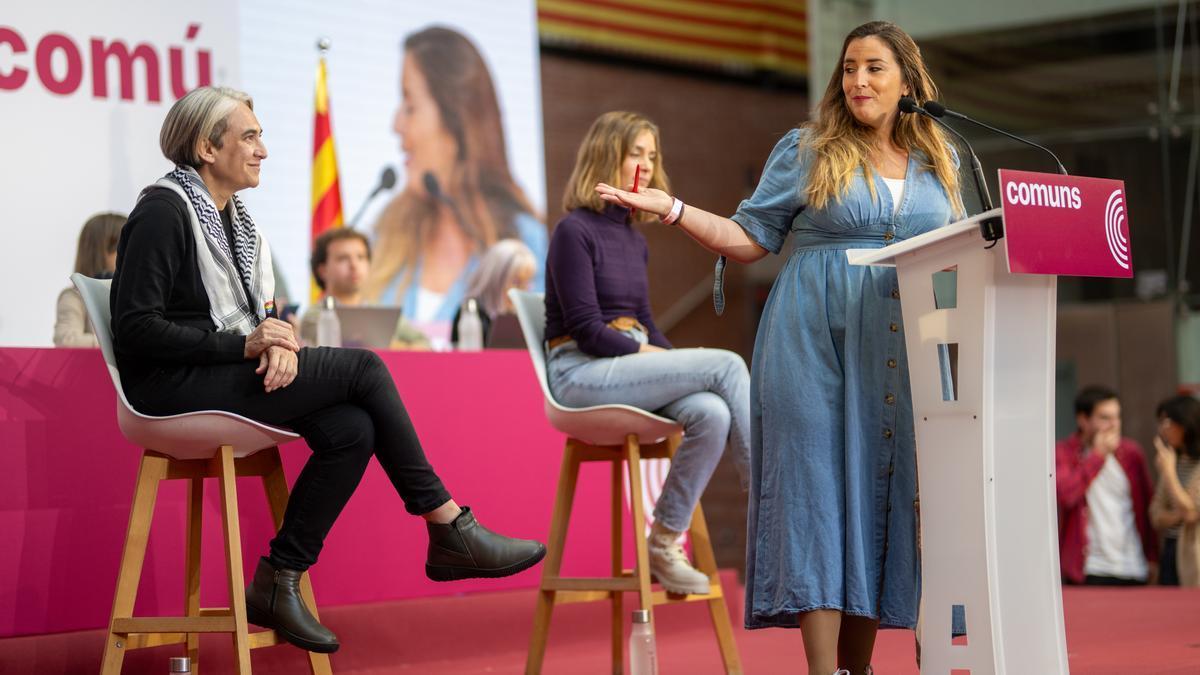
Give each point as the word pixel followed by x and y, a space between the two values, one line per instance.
pixel 715 233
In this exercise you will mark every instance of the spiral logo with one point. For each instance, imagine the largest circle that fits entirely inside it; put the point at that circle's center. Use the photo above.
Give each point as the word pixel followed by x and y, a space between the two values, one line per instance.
pixel 1114 217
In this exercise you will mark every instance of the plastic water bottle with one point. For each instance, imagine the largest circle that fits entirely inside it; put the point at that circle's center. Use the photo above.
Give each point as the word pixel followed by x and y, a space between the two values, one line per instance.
pixel 181 665
pixel 329 329
pixel 643 658
pixel 470 328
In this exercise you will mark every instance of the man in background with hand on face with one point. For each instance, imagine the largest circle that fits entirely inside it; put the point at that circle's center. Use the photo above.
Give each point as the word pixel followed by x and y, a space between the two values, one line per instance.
pixel 1104 529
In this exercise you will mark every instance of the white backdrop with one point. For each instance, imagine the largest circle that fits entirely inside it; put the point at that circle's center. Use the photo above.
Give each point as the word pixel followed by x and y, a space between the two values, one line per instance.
pixel 69 156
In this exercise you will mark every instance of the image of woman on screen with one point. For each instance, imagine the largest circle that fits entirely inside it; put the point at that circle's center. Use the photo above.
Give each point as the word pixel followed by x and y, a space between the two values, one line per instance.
pixel 459 197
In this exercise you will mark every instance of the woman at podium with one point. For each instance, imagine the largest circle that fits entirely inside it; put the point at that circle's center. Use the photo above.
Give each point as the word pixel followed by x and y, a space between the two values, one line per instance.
pixel 832 522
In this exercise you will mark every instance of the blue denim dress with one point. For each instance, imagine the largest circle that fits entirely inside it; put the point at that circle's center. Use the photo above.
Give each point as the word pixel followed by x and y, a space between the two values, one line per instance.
pixel 832 515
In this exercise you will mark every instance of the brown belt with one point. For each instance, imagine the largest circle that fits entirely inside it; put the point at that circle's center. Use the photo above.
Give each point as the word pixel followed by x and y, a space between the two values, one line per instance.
pixel 621 323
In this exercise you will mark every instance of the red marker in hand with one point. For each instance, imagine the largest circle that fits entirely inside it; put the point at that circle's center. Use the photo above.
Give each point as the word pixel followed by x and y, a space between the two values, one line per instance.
pixel 637 174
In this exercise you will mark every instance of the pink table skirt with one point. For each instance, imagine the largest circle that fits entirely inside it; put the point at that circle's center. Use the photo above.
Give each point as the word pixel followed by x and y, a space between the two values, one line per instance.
pixel 67 476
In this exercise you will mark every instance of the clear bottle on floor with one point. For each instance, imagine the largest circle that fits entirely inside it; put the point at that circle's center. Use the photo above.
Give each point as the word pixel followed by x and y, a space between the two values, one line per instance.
pixel 643 658
pixel 329 328
pixel 181 665
pixel 470 328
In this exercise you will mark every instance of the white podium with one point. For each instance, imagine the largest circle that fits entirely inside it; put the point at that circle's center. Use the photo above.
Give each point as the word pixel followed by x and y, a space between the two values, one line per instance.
pixel 982 374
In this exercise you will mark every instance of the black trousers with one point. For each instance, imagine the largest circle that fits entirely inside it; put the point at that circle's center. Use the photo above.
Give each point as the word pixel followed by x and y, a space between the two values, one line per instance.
pixel 345 405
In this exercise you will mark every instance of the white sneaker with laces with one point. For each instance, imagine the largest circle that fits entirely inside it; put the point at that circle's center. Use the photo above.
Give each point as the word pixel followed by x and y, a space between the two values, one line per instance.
pixel 670 565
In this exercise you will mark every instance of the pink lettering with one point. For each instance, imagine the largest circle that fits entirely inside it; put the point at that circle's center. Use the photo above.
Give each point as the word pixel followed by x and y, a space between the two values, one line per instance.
pixel 117 48
pixel 16 77
pixel 203 65
pixel 45 69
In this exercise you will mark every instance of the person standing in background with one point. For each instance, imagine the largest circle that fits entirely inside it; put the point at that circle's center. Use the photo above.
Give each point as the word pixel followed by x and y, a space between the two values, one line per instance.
pixel 1175 508
pixel 459 197
pixel 96 257
pixel 1104 532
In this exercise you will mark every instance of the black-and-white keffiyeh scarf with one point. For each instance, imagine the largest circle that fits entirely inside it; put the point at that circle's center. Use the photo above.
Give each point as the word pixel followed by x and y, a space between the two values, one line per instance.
pixel 232 310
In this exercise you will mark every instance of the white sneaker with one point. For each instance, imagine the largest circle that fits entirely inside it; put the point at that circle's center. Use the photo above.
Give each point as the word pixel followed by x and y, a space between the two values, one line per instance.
pixel 670 564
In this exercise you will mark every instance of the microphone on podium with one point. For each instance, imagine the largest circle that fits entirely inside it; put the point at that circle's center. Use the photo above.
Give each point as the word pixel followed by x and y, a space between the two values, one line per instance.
pixel 937 110
pixel 387 180
pixel 909 105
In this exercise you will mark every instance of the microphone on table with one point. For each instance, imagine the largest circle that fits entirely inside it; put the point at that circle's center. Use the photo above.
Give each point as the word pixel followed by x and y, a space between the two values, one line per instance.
pixel 434 188
pixel 387 180
pixel 937 110
pixel 991 229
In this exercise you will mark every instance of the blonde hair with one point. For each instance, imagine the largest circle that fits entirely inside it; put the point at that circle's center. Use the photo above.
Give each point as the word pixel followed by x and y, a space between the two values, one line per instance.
pixel 841 144
pixel 601 154
pixel 97 240
pixel 497 272
pixel 203 113
pixel 480 182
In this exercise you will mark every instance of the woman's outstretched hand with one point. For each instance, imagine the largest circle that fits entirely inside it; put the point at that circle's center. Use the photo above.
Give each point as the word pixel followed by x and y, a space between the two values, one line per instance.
pixel 645 199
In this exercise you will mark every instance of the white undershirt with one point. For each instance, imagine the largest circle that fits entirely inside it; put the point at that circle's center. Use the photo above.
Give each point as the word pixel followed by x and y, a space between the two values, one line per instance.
pixel 896 187
pixel 428 304
pixel 1114 547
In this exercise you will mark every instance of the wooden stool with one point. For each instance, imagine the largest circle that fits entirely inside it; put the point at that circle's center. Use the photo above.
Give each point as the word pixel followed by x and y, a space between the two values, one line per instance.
pixel 126 631
pixel 558 590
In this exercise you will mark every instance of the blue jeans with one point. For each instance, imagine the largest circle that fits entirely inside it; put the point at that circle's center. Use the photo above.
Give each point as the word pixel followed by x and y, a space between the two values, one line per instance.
pixel 706 390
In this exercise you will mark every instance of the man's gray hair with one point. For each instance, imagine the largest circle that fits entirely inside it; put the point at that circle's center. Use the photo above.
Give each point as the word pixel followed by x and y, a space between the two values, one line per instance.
pixel 202 113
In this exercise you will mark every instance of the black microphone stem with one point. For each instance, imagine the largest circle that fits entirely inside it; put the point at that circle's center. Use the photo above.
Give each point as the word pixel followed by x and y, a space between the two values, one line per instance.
pixel 1062 170
pixel 985 197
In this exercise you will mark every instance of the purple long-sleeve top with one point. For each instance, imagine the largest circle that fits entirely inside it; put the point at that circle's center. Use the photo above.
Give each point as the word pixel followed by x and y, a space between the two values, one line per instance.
pixel 596 272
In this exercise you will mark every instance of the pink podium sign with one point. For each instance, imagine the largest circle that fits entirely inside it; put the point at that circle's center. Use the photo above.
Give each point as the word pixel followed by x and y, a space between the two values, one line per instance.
pixel 1065 225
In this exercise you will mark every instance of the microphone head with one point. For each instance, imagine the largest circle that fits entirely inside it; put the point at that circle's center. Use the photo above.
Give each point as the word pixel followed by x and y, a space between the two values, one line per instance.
pixel 934 108
pixel 431 185
pixel 908 104
pixel 387 180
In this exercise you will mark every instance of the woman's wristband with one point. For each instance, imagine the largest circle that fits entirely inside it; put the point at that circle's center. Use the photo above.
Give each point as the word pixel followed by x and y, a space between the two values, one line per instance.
pixel 673 215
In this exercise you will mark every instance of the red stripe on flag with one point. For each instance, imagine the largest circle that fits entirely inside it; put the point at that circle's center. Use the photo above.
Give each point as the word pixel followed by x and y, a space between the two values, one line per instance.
pixel 328 210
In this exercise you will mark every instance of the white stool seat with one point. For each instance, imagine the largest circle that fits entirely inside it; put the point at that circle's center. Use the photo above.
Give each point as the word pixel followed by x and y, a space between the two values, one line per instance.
pixel 190 435
pixel 599 424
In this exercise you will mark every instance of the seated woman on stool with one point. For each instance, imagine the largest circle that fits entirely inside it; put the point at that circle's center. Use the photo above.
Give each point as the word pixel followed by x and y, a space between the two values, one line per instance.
pixel 192 332
pixel 604 347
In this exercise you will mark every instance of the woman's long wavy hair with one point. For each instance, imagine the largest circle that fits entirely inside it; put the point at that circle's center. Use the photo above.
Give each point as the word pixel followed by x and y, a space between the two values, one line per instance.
pixel 842 144
pixel 480 184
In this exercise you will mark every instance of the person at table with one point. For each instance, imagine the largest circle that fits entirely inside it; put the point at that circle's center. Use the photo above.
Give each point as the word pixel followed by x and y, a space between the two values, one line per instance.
pixel 341 262
pixel 191 333
pixel 508 264
pixel 832 523
pixel 1175 507
pixel 605 348
pixel 96 257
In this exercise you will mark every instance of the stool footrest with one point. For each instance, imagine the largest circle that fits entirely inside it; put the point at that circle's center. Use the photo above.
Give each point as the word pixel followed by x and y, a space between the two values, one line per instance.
pixel 173 624
pixel 147 640
pixel 607 584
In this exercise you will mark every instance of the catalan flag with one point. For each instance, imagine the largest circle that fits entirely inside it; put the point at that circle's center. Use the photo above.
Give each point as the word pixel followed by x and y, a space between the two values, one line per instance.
pixel 326 192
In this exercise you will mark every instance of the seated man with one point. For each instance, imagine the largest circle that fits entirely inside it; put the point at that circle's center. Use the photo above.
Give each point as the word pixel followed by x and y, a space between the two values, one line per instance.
pixel 1103 495
pixel 341 261
pixel 191 332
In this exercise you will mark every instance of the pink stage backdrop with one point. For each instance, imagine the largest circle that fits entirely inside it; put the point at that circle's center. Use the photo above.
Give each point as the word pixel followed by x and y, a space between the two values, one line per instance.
pixel 67 476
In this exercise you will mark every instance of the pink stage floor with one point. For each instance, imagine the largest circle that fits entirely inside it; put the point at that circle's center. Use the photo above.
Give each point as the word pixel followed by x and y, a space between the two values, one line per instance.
pixel 1109 632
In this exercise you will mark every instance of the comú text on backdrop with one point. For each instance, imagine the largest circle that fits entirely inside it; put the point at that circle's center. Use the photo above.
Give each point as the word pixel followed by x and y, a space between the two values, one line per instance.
pixel 66 76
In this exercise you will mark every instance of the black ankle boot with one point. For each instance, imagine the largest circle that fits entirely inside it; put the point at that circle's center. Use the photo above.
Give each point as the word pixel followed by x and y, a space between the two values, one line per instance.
pixel 273 601
pixel 464 549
